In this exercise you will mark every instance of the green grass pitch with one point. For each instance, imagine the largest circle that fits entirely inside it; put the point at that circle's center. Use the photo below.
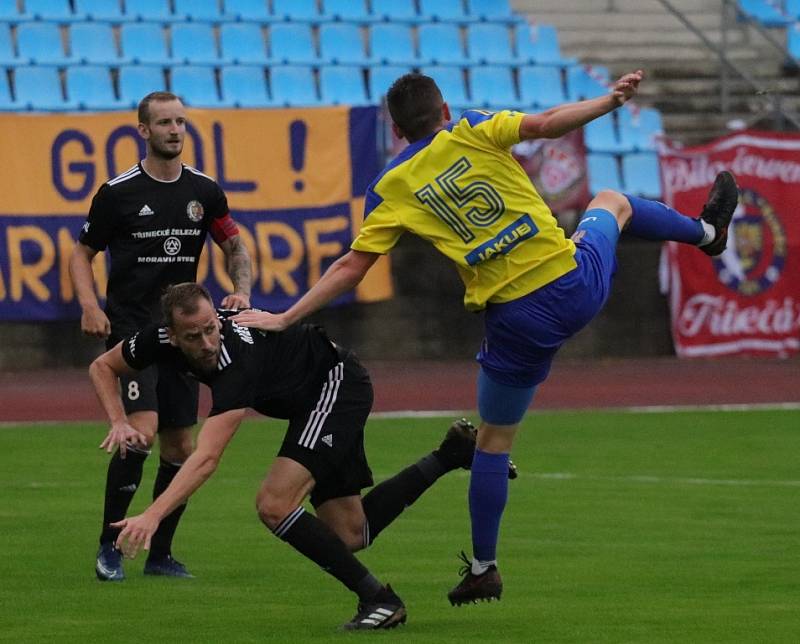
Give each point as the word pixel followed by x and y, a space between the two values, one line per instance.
pixel 622 527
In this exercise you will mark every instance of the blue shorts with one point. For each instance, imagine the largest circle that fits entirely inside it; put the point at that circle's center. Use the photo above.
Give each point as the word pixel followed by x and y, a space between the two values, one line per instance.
pixel 523 335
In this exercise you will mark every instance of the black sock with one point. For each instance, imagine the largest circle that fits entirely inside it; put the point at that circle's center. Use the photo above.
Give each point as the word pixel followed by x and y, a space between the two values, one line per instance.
pixel 122 481
pixel 316 541
pixel 386 501
pixel 161 544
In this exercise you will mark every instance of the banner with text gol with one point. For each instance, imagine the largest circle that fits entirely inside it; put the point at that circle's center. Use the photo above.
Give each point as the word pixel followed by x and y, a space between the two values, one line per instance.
pixel 295 181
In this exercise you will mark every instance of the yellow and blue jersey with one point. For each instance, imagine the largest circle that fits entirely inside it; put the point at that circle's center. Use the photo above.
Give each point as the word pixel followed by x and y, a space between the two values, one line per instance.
pixel 461 190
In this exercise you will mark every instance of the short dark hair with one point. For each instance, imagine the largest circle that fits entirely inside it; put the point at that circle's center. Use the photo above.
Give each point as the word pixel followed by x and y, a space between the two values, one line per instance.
pixel 144 104
pixel 415 104
pixel 182 297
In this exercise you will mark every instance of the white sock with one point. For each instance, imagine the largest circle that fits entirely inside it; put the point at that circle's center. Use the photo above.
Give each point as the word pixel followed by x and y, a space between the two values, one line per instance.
pixel 480 567
pixel 709 233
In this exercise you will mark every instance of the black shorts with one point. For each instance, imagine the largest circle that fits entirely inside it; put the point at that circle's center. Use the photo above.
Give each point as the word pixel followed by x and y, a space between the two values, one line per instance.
pixel 328 439
pixel 163 389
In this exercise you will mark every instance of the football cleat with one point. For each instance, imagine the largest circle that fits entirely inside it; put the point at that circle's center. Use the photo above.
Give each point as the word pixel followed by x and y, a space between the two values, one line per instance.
pixel 385 610
pixel 108 566
pixel 718 210
pixel 166 566
pixel 474 588
pixel 458 447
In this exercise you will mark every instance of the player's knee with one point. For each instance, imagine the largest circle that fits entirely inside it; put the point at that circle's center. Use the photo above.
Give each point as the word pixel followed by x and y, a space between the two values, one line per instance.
pixel 352 535
pixel 176 446
pixel 614 202
pixel 272 509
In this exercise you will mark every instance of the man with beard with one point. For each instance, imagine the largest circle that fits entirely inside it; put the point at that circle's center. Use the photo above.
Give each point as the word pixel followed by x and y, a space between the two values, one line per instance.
pixel 153 218
pixel 326 395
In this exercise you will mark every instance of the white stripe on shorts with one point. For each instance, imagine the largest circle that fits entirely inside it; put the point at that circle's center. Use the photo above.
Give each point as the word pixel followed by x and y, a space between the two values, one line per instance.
pixel 327 398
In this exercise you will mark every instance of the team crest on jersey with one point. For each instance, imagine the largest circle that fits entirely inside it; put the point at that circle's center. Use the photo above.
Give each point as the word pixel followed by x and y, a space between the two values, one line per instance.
pixel 756 252
pixel 172 245
pixel 195 210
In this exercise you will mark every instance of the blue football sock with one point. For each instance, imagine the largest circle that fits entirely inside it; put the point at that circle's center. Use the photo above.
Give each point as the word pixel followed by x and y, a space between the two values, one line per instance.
pixel 488 492
pixel 657 221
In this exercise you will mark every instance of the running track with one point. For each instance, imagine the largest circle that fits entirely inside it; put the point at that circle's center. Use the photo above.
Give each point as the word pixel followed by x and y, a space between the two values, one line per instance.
pixel 66 395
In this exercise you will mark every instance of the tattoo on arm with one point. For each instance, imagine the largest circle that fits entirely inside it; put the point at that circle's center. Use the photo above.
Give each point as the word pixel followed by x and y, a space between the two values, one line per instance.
pixel 238 265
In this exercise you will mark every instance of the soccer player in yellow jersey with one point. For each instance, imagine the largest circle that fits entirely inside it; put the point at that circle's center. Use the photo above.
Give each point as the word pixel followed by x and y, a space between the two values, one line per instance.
pixel 457 185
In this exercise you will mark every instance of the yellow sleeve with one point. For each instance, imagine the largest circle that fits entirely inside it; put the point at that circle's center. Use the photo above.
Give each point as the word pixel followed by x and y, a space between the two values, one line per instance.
pixel 379 231
pixel 498 129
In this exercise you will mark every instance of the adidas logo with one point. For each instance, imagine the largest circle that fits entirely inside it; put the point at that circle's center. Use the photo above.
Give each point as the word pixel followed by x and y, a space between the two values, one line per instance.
pixel 128 488
pixel 146 210
pixel 328 440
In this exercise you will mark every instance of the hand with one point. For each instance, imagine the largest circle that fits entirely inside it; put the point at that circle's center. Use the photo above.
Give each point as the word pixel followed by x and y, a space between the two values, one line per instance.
pixel 94 323
pixel 122 434
pixel 261 320
pixel 136 534
pixel 626 87
pixel 236 301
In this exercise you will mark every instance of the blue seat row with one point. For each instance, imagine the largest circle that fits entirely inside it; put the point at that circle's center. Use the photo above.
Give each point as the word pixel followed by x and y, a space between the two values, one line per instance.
pixel 258 10
pixel 771 14
pixel 296 43
pixel 635 173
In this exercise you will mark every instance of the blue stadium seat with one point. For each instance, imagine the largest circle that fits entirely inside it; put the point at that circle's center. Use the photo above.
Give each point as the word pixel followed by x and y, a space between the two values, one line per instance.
pixel 99 10
pixel 198 10
pixel 7 104
pixel 603 170
pixel 7 54
pixel 490 10
pixel 489 43
pixel 450 80
pixel 345 10
pixel 440 44
pixel 792 8
pixel 638 131
pixel 581 84
pixel 493 87
pixel 244 86
pixel 442 10
pixel 341 44
pixel 149 10
pixel 538 44
pixel 392 44
pixel 137 81
pixel 293 86
pixel 766 13
pixel 247 10
pixel 93 42
pixel 144 43
pixel 40 43
pixel 292 42
pixel 541 86
pixel 10 13
pixel 342 85
pixel 196 85
pixel 295 10
pixel 91 87
pixel 381 78
pixel 394 10
pixel 55 10
pixel 242 43
pixel 793 41
pixel 641 174
pixel 600 135
pixel 39 88
pixel 193 43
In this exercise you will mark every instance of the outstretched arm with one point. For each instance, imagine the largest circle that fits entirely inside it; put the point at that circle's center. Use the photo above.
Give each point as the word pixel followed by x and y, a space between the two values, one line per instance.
pixel 561 119
pixel 237 263
pixel 344 274
pixel 212 439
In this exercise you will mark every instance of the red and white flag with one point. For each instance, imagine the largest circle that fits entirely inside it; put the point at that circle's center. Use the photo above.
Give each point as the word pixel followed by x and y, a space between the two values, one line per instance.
pixel 747 300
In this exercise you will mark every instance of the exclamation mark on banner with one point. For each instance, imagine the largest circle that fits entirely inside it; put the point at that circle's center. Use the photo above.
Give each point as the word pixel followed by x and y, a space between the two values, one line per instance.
pixel 297 147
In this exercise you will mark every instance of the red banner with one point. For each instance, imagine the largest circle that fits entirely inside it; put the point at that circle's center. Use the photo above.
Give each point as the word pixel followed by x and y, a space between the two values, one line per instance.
pixel 747 300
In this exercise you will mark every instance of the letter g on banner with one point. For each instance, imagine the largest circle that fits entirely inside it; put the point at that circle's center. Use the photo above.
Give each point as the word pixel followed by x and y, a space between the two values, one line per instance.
pixel 85 168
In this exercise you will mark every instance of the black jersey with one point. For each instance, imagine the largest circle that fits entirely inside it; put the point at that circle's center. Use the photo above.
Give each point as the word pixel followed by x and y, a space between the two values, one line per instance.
pixel 155 231
pixel 278 374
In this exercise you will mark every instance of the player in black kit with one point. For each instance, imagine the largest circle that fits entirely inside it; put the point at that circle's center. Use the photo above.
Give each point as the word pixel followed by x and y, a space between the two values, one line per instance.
pixel 326 395
pixel 153 219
